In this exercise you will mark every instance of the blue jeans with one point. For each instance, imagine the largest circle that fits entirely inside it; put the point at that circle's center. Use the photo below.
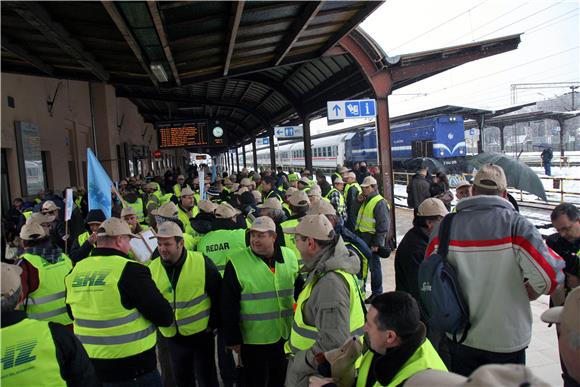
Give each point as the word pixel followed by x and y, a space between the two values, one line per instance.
pixel 548 168
pixel 150 379
pixel 376 274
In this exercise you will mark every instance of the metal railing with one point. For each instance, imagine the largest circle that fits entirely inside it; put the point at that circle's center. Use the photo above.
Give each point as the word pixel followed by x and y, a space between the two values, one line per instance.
pixel 557 184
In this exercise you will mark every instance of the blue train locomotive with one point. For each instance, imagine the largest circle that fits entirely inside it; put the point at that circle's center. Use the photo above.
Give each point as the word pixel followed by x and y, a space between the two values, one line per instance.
pixel 440 137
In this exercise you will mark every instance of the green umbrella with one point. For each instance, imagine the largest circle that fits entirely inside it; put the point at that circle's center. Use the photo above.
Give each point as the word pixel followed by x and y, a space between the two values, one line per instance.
pixel 518 174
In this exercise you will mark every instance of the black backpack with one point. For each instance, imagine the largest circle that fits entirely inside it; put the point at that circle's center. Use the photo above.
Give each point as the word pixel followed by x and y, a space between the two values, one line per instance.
pixel 441 297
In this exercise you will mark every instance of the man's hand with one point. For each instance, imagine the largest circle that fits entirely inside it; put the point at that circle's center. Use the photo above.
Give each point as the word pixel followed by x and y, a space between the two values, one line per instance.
pixel 93 238
pixel 374 249
pixel 572 281
pixel 234 348
pixel 532 295
pixel 315 381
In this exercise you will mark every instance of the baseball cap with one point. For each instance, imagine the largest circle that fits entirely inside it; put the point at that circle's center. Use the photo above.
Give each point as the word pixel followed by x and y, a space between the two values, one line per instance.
pixel 167 230
pixel 128 211
pixel 241 190
pixel 32 232
pixel 207 206
pixel 187 192
pixel 491 176
pixel 114 227
pixel 150 186
pixel 245 182
pixel 290 191
pixel 306 172
pixel 505 375
pixel 313 226
pixel 350 174
pixel 299 199
pixel 168 210
pixel 304 180
pixel 225 211
pixel 40 218
pixel 321 207
pixel 180 177
pixel 314 191
pixel 463 183
pixel 432 207
pixel 342 170
pixel 10 279
pixel 257 196
pixel 368 181
pixel 568 316
pixel 338 180
pixel 271 203
pixel 49 206
pixel 263 224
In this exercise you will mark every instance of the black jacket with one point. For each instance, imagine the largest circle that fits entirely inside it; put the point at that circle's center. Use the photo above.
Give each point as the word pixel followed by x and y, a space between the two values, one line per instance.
pixel 230 300
pixel 138 291
pixel 212 289
pixel 567 250
pixel 201 223
pixel 78 252
pixel 352 207
pixel 417 191
pixel 75 367
pixel 409 256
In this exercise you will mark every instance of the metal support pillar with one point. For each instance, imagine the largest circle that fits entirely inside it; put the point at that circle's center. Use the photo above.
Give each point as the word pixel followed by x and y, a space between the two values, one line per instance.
pixel 562 123
pixel 272 149
pixel 379 77
pixel 244 155
pixel 233 164
pixel 227 161
pixel 254 154
pixel 480 125
pixel 237 161
pixel 501 138
pixel 307 144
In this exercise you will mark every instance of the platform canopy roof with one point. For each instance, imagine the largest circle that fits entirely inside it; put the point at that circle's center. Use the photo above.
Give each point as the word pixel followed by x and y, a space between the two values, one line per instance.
pixel 250 65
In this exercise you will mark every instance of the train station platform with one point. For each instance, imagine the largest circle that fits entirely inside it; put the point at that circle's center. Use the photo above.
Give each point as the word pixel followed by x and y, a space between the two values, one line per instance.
pixel 542 354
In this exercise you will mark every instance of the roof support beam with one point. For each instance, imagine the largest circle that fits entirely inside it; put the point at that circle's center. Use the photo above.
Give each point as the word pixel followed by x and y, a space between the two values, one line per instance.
pixel 124 29
pixel 195 101
pixel 309 12
pixel 37 16
pixel 156 16
pixel 279 87
pixel 233 33
pixel 23 54
pixel 365 10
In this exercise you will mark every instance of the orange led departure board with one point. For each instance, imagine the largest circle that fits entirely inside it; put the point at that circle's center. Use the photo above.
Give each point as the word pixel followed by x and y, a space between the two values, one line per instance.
pixel 183 135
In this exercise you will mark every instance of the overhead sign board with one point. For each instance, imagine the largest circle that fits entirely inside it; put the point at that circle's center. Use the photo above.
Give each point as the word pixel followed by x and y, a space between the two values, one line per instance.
pixel 263 141
pixel 194 133
pixel 288 131
pixel 361 108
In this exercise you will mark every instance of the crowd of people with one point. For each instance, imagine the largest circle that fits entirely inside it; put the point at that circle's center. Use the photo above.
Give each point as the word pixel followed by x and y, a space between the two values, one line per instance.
pixel 258 279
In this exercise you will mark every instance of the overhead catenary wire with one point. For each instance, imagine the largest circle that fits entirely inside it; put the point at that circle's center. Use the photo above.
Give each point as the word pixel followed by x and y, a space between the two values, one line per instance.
pixel 437 26
pixel 519 20
pixel 500 71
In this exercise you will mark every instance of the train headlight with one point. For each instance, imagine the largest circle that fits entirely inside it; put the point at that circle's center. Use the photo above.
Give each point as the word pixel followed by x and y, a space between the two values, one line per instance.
pixel 441 152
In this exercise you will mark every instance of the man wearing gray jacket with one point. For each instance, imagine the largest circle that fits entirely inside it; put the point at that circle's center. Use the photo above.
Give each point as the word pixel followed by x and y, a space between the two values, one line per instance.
pixel 373 223
pixel 502 263
pixel 330 308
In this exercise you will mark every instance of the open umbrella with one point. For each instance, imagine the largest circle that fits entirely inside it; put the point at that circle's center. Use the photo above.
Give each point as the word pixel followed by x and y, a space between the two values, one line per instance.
pixel 518 174
pixel 415 163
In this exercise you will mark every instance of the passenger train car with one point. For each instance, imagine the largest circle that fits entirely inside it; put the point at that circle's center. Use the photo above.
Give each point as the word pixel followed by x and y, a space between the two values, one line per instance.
pixel 441 137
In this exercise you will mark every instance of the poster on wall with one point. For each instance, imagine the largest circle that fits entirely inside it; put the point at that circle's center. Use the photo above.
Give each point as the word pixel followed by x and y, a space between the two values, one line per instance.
pixel 29 158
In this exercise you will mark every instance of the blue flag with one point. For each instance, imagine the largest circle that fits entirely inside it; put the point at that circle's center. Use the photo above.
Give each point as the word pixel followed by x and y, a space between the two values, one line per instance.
pixel 99 185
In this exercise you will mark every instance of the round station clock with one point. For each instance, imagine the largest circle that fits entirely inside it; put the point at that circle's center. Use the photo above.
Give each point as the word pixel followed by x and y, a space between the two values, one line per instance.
pixel 218 131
